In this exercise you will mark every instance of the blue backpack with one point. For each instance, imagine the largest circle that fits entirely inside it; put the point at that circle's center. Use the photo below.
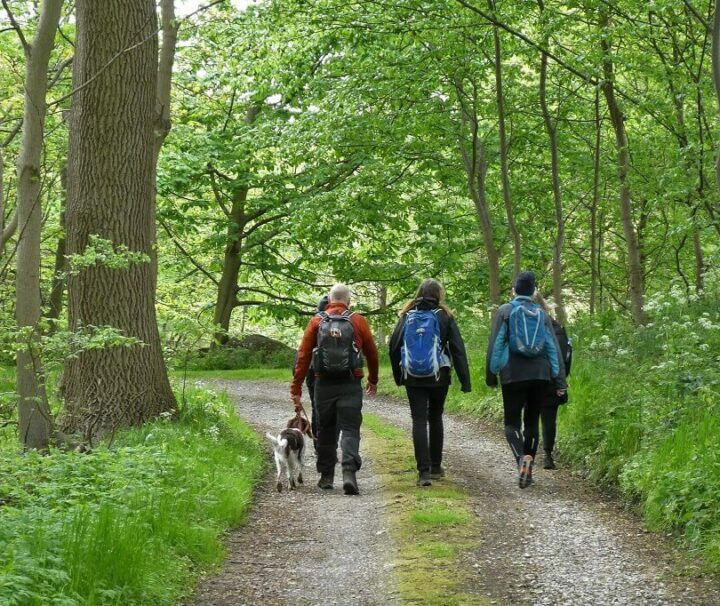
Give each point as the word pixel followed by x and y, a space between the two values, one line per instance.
pixel 421 354
pixel 526 329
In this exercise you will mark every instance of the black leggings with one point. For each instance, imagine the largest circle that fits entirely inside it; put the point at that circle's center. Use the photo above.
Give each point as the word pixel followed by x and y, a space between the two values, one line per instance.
pixel 548 416
pixel 522 402
pixel 426 407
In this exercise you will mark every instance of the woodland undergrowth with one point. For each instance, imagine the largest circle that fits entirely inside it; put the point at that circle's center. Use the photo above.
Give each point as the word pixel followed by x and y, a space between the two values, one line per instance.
pixel 132 522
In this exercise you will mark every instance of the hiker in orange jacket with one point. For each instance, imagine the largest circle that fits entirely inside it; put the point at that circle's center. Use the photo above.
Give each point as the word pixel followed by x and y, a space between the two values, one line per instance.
pixel 335 341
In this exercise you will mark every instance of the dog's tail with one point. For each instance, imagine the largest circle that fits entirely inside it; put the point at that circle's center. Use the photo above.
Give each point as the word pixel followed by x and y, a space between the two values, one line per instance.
pixel 277 443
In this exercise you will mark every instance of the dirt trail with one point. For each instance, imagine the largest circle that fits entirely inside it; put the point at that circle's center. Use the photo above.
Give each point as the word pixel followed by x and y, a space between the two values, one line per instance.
pixel 557 543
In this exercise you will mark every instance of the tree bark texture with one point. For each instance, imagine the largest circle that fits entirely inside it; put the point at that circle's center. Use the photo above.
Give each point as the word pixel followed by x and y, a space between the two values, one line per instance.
pixel 594 234
pixel 716 73
pixel 161 128
pixel 636 277
pixel 34 417
pixel 475 164
pixel 232 262
pixel 110 194
pixel 504 168
pixel 551 129
pixel 226 300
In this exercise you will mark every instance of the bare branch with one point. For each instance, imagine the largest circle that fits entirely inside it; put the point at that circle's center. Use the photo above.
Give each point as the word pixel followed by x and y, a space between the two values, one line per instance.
pixel 13 133
pixel 26 46
pixel 8 232
pixel 59 71
pixel 190 258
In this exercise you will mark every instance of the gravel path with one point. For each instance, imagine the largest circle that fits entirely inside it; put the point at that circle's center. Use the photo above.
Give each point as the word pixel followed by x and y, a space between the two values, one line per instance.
pixel 305 547
pixel 558 543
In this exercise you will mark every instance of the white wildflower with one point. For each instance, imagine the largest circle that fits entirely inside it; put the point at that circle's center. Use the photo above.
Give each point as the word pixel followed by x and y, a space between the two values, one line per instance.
pixel 705 323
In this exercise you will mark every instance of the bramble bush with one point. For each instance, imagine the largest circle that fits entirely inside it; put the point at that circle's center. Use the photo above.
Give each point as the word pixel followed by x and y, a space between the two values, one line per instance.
pixel 132 522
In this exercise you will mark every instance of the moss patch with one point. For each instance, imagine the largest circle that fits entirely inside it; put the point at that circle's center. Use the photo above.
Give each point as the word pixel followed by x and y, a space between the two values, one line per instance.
pixel 432 527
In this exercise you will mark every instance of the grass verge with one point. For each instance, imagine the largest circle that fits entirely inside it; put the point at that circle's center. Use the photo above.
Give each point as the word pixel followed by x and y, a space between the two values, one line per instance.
pixel 432 527
pixel 133 522
pixel 242 374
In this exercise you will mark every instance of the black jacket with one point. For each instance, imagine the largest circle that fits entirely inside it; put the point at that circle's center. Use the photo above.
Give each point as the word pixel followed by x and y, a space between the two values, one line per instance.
pixel 566 352
pixel 451 342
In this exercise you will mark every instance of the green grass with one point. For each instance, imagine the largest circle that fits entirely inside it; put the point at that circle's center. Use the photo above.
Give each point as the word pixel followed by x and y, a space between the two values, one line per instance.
pixel 242 374
pixel 134 522
pixel 432 527
pixel 438 515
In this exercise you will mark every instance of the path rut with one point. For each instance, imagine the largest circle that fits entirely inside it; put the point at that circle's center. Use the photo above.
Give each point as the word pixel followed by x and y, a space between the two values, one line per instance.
pixel 557 543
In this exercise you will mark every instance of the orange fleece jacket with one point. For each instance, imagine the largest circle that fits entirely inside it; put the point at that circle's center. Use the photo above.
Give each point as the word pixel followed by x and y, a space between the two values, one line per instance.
pixel 363 339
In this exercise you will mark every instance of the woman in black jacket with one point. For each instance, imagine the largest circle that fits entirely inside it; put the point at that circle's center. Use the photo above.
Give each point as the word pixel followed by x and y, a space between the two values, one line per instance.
pixel 551 402
pixel 427 392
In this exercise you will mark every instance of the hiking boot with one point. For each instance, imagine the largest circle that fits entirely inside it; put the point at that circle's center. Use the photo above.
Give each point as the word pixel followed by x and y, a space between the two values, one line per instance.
pixel 424 479
pixel 548 461
pixel 349 482
pixel 326 481
pixel 436 473
pixel 525 476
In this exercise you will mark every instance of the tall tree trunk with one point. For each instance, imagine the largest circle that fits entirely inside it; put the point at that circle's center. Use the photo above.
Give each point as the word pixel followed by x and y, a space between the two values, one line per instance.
pixel 636 277
pixel 55 302
pixel 551 129
pixel 699 258
pixel 504 169
pixel 232 262
pixel 716 73
pixel 382 307
pixel 162 123
pixel 110 194
pixel 34 417
pixel 7 231
pixel 475 165
pixel 2 195
pixel 594 234
pixel 226 299
pixel 686 153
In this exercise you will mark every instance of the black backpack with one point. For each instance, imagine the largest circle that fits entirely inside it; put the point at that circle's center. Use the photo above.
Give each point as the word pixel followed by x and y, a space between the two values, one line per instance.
pixel 336 354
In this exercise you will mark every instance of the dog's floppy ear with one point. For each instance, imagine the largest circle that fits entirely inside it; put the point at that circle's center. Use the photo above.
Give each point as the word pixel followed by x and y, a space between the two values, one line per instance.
pixel 304 426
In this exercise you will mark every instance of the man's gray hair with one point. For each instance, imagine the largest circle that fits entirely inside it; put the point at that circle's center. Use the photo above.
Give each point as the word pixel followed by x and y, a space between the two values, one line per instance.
pixel 341 293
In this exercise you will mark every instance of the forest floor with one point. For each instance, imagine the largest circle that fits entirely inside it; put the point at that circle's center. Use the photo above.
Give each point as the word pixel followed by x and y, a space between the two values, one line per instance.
pixel 559 542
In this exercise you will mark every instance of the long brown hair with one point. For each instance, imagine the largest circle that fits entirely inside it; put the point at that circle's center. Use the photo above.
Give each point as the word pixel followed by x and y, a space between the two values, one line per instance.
pixel 540 300
pixel 429 289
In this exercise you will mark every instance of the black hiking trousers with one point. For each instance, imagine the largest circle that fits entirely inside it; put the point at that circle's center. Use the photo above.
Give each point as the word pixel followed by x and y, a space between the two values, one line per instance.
pixel 426 407
pixel 522 402
pixel 548 416
pixel 339 409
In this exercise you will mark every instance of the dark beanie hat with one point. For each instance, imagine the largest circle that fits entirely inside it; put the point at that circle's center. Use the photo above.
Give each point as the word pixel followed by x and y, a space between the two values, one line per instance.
pixel 323 303
pixel 525 284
